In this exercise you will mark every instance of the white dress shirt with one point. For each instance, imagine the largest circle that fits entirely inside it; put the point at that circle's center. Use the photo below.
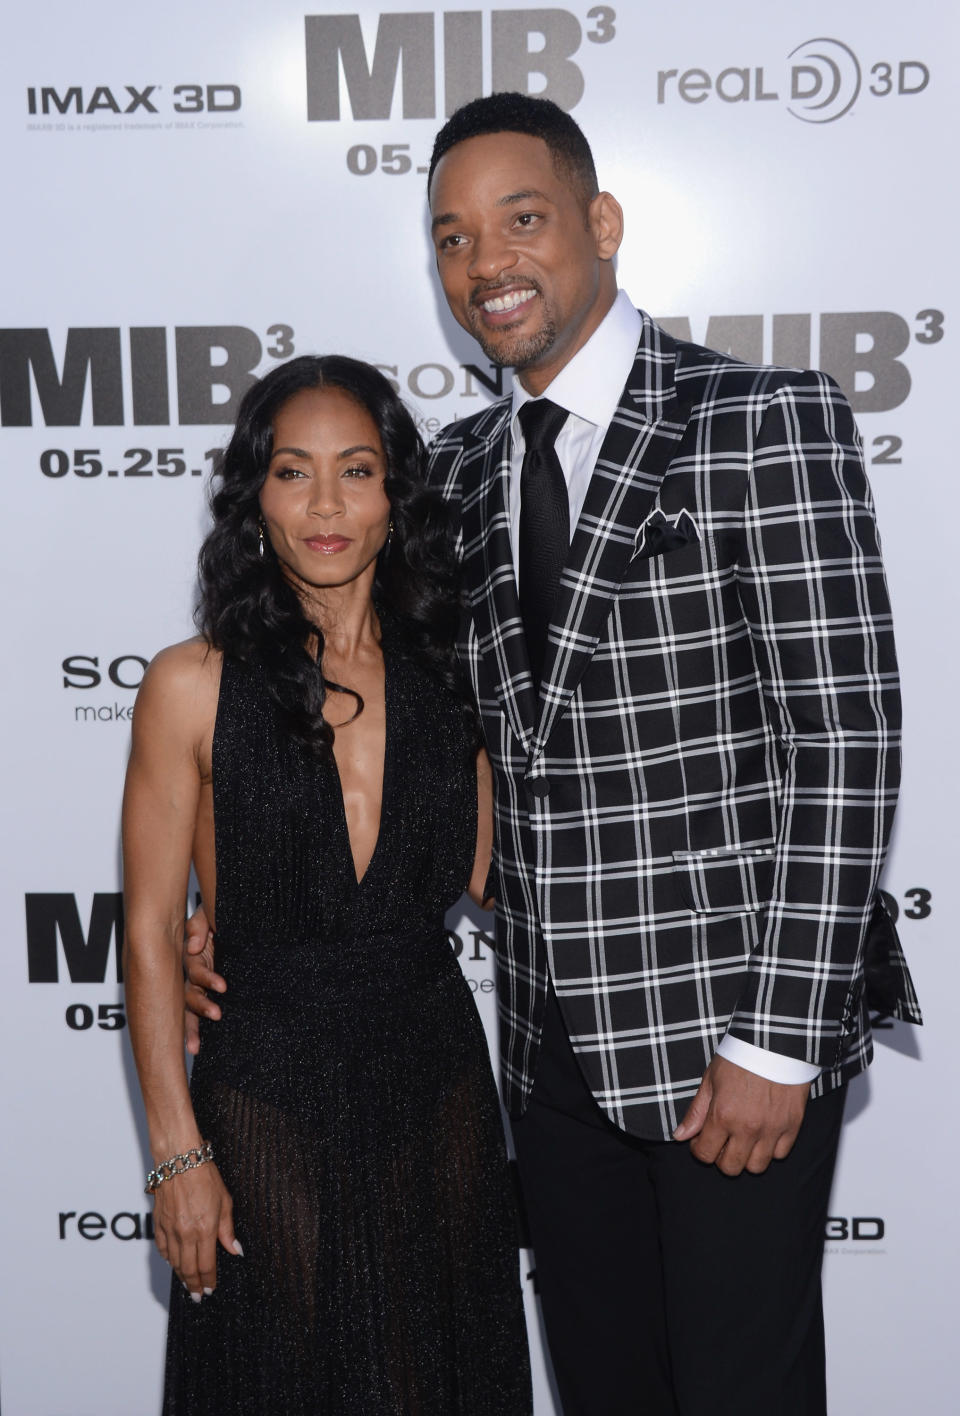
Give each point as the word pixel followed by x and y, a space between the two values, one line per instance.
pixel 589 388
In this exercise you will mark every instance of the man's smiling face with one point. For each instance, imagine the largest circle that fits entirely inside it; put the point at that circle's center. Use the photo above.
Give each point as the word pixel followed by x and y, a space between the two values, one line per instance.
pixel 524 258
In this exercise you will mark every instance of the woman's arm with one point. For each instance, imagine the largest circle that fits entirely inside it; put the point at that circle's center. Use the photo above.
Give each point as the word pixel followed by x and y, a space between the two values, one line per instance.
pixel 481 861
pixel 172 728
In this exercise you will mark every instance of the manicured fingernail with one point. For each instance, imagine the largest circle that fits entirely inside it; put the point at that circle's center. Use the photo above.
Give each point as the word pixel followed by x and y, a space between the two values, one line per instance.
pixel 207 1292
pixel 238 1247
pixel 197 1297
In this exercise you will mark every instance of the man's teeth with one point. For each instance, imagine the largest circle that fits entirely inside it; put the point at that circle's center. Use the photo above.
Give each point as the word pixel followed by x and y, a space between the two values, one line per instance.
pixel 510 301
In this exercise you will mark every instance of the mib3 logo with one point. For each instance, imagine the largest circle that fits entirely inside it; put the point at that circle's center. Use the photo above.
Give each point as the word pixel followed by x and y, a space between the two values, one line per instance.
pixel 518 45
pixel 212 367
pixel 821 82
pixel 126 99
pixel 54 924
pixel 861 349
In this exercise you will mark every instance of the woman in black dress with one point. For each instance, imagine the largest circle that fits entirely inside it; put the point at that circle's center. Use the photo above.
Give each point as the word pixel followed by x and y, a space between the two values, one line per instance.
pixel 349 1247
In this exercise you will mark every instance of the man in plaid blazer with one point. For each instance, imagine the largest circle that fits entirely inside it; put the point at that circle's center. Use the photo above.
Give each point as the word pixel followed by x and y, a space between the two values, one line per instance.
pixel 692 803
pixel 692 800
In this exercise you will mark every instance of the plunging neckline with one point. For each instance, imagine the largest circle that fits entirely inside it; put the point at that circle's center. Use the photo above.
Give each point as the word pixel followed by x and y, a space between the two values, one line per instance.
pixel 359 880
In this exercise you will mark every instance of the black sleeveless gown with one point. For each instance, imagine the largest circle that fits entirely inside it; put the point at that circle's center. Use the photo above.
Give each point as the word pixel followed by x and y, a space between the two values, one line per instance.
pixel 348 1092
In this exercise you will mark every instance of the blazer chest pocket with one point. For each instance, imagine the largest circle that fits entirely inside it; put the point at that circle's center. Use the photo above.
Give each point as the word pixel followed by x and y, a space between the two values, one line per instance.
pixel 694 560
pixel 726 880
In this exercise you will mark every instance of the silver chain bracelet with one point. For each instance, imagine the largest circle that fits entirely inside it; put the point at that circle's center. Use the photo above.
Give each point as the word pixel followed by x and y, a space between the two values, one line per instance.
pixel 178 1165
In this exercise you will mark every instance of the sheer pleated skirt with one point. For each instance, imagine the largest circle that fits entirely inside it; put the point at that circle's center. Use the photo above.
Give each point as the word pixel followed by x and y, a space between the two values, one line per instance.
pixel 371 1197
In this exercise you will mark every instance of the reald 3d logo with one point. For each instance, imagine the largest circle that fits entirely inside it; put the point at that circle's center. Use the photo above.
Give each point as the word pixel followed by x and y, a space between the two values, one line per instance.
pixel 823 81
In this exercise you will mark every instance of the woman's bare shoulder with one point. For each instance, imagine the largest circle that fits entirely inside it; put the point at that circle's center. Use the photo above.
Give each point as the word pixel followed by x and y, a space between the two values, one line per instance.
pixel 194 656
pixel 184 677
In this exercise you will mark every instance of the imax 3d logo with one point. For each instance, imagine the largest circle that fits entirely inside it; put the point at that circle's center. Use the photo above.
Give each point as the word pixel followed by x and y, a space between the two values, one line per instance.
pixel 187 98
pixel 822 82
pixel 520 44
pixel 858 1227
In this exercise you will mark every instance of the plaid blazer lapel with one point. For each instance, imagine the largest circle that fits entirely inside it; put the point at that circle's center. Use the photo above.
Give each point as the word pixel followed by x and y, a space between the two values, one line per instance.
pixel 633 460
pixel 489 577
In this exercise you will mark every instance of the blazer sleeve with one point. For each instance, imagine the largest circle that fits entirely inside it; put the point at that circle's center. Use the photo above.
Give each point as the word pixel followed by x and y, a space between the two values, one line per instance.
pixel 443 459
pixel 815 597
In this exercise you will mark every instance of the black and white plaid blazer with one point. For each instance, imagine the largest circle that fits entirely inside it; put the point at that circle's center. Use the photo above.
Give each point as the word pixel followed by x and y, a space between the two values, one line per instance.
pixel 692 812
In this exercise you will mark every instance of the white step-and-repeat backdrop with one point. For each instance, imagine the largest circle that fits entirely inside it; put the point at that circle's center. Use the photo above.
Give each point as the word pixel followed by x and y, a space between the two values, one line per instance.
pixel 195 191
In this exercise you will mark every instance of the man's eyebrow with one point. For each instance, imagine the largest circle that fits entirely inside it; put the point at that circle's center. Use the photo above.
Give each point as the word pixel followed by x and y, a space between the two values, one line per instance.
pixel 528 194
pixel 444 218
pixel 451 218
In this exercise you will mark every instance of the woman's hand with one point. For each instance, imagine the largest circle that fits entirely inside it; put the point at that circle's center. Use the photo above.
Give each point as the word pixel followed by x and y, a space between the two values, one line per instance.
pixel 191 1212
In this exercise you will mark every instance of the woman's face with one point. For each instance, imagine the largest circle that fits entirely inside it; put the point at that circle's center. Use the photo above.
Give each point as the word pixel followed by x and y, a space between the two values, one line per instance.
pixel 323 500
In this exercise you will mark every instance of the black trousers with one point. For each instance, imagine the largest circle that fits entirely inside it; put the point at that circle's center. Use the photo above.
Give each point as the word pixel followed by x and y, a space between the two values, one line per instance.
pixel 667 1287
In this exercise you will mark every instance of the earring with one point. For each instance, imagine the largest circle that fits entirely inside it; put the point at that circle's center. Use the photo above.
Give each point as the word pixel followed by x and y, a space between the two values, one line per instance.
pixel 260 547
pixel 390 531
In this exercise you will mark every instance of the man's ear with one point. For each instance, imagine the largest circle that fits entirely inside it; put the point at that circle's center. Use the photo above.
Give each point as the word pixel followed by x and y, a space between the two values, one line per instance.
pixel 605 220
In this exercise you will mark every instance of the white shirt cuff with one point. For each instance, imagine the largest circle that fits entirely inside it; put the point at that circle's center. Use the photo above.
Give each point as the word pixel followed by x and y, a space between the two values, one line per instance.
pixel 772 1065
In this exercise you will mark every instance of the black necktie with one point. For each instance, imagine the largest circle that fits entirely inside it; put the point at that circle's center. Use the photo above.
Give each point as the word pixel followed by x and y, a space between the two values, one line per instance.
pixel 544 537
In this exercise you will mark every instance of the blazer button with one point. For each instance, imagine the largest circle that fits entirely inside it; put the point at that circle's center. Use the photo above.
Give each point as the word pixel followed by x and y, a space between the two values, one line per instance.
pixel 538 786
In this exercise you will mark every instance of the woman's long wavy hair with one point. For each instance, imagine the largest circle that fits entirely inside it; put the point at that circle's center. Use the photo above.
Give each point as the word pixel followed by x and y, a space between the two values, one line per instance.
pixel 250 610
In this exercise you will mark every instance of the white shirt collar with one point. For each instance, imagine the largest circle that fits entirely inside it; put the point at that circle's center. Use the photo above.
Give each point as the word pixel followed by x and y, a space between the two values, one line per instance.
pixel 590 385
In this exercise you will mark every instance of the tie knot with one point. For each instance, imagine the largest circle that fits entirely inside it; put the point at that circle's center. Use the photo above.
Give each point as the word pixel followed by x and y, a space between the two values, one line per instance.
pixel 541 421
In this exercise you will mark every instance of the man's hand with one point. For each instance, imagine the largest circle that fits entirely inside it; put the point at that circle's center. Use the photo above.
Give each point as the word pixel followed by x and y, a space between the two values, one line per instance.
pixel 741 1121
pixel 198 966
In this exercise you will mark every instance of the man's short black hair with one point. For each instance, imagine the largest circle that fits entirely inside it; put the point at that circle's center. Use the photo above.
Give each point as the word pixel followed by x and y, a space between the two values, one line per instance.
pixel 537 118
